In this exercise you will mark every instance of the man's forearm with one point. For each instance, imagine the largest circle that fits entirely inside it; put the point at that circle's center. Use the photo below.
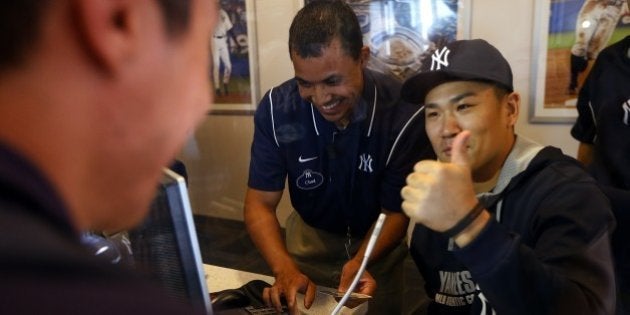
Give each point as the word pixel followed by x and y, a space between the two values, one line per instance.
pixel 585 153
pixel 266 234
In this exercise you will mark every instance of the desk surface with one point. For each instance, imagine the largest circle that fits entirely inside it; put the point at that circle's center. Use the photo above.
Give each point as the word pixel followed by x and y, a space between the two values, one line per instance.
pixel 220 278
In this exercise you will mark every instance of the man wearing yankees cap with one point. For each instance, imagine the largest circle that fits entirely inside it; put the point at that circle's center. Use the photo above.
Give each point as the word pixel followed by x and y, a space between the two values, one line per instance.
pixel 503 225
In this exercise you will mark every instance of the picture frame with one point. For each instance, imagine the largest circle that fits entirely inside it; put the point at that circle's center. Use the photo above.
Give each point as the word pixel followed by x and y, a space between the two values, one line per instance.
pixel 236 91
pixel 398 36
pixel 563 45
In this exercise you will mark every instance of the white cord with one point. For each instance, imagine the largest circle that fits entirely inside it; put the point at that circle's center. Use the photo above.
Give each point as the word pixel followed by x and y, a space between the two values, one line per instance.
pixel 368 251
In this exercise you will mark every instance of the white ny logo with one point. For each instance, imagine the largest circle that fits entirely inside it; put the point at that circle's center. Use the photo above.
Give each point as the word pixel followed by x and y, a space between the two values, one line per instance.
pixel 626 111
pixel 366 163
pixel 439 59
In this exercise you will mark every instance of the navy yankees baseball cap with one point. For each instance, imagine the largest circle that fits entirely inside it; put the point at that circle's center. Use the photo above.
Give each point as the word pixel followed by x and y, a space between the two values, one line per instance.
pixel 462 60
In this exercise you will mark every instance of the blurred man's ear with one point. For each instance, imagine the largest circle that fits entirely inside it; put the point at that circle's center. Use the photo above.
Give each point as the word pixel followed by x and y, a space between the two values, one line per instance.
pixel 365 55
pixel 110 31
pixel 513 103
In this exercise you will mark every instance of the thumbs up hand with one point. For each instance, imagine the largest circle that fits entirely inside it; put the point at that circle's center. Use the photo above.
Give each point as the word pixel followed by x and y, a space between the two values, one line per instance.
pixel 440 194
pixel 459 154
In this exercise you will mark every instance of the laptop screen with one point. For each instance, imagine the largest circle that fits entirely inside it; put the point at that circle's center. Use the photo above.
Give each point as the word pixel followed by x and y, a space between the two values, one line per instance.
pixel 165 245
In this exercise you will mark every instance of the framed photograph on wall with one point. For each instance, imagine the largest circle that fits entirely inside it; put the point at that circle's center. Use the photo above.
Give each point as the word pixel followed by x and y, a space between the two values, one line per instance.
pixel 400 33
pixel 568 36
pixel 234 59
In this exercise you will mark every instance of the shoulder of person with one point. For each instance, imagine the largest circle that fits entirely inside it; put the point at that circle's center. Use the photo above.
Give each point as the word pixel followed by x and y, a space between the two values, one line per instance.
pixel 550 169
pixel 387 86
pixel 282 98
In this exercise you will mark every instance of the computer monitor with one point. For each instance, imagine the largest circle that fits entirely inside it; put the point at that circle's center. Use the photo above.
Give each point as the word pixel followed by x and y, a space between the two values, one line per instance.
pixel 165 245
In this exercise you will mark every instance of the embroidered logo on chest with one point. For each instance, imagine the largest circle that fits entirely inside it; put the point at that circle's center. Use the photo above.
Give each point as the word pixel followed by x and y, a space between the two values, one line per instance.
pixel 309 180
pixel 626 111
pixel 365 163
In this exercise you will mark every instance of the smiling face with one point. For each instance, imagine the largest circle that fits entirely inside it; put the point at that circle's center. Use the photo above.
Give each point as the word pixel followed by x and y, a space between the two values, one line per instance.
pixel 488 113
pixel 332 82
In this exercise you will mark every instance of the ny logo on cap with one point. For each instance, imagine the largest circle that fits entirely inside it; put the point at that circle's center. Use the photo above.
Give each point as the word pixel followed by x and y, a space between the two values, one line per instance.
pixel 439 59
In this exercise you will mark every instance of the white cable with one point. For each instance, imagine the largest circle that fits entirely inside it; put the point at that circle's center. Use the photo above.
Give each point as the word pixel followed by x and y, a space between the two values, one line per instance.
pixel 368 251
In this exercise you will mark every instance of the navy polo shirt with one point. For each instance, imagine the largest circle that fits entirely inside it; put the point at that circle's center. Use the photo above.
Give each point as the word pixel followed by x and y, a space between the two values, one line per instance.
pixel 338 179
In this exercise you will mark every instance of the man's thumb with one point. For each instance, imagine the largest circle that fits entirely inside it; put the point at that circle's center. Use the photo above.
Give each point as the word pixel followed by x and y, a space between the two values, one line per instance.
pixel 459 152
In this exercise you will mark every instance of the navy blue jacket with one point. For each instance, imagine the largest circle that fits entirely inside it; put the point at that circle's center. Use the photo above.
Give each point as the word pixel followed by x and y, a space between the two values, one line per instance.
pixel 547 253
pixel 44 269
pixel 604 121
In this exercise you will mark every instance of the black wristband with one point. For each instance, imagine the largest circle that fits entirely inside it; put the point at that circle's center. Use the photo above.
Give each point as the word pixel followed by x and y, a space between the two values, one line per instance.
pixel 465 221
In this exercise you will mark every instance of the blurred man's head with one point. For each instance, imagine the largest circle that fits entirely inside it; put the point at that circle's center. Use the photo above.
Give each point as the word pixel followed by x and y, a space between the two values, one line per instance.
pixel 107 92
pixel 468 87
pixel 326 48
pixel 21 21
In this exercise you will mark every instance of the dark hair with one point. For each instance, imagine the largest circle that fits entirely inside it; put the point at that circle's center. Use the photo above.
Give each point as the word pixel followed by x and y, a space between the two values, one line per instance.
pixel 20 25
pixel 319 22
pixel 176 14
pixel 500 91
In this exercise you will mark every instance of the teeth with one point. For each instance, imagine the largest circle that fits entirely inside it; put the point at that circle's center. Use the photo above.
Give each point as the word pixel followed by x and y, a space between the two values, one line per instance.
pixel 331 106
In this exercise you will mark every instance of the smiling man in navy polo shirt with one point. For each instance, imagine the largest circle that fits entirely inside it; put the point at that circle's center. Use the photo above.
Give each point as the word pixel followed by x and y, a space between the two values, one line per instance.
pixel 337 134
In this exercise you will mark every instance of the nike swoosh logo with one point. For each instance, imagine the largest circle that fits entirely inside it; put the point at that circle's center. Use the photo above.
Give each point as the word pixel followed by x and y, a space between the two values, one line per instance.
pixel 304 160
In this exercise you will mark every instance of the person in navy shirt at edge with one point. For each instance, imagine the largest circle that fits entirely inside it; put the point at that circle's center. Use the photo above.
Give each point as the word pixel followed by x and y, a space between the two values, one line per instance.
pixel 504 225
pixel 97 97
pixel 343 142
pixel 603 129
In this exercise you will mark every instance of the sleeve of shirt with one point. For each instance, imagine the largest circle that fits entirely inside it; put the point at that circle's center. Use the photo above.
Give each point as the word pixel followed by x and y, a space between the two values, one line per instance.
pixel 585 127
pixel 267 169
pixel 410 144
pixel 568 270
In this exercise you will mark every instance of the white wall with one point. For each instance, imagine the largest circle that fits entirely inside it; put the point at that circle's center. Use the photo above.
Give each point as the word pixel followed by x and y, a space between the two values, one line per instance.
pixel 274 18
pixel 218 159
pixel 508 25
